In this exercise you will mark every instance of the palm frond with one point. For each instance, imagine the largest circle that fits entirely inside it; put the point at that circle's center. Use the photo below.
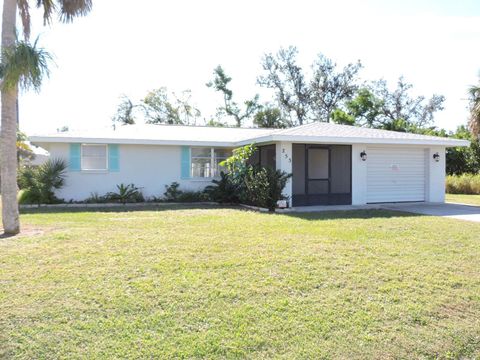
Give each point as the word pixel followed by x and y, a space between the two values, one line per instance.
pixel 24 10
pixel 24 65
pixel 49 8
pixel 70 9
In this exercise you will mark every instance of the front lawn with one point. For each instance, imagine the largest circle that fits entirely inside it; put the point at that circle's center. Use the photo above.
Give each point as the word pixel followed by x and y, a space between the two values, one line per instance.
pixel 226 283
pixel 463 199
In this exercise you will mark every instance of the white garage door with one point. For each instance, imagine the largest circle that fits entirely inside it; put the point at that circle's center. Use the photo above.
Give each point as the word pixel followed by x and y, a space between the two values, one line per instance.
pixel 395 174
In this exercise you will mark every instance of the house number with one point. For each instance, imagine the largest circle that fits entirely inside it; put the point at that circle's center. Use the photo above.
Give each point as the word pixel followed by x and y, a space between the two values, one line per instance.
pixel 286 155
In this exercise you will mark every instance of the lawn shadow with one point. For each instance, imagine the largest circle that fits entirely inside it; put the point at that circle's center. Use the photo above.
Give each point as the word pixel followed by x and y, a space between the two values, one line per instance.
pixel 122 208
pixel 350 214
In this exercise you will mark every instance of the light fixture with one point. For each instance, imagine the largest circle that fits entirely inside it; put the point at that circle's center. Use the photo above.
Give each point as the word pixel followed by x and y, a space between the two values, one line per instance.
pixel 363 155
pixel 436 157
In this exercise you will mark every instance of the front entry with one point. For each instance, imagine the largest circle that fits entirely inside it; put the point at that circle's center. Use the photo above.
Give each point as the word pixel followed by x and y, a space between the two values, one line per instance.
pixel 321 174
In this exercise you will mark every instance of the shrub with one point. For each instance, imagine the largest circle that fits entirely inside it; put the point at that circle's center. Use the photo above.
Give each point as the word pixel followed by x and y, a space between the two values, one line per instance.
pixel 96 199
pixel 172 191
pixel 263 187
pixel 463 184
pixel 222 190
pixel 126 193
pixel 39 183
pixel 259 186
pixel 174 194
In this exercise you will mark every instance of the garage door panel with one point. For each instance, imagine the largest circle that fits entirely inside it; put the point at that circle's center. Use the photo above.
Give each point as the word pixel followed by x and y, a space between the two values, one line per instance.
pixel 395 174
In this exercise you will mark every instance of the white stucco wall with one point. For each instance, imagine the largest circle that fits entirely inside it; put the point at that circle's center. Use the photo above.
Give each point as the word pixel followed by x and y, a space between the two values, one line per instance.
pixel 434 174
pixel 150 167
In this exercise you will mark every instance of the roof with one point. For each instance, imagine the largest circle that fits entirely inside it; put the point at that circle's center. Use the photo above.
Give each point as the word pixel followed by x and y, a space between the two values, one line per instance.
pixel 317 132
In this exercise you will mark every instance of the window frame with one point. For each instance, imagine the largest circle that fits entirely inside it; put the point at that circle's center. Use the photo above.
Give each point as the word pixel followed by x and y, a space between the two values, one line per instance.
pixel 212 161
pixel 81 157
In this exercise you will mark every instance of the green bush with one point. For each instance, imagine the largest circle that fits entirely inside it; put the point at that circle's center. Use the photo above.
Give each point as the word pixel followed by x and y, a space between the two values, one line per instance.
pixel 174 194
pixel 40 182
pixel 248 184
pixel 222 190
pixel 263 187
pixel 463 184
pixel 126 193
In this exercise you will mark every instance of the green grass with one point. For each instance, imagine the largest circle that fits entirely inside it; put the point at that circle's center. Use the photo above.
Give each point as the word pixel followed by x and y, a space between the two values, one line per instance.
pixel 463 199
pixel 226 283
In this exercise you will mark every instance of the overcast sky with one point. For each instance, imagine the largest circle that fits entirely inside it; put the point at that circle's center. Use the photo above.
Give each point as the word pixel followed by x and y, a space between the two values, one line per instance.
pixel 130 47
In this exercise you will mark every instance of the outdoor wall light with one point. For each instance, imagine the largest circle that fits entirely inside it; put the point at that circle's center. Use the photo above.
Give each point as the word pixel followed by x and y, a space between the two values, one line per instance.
pixel 436 157
pixel 363 155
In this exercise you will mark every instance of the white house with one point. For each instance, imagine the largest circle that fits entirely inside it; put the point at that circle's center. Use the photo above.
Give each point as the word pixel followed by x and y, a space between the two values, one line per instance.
pixel 331 164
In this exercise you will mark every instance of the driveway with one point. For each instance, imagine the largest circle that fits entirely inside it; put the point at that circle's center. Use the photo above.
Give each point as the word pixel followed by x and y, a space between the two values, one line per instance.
pixel 455 211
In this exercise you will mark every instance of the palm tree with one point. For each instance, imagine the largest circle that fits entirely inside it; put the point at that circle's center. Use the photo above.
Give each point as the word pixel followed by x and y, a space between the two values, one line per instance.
pixel 25 66
pixel 474 122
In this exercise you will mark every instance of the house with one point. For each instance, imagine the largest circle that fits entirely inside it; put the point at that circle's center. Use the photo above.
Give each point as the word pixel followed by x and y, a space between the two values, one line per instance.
pixel 330 163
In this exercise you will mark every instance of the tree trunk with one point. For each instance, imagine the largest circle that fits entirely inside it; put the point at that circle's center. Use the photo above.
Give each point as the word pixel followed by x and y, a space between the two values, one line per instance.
pixel 8 135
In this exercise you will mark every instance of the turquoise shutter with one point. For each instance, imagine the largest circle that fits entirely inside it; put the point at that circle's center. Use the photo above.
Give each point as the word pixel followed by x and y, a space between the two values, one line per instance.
pixel 113 158
pixel 74 163
pixel 185 163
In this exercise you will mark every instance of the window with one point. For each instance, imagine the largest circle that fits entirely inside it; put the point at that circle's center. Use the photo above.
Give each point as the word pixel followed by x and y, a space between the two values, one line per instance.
pixel 206 161
pixel 94 157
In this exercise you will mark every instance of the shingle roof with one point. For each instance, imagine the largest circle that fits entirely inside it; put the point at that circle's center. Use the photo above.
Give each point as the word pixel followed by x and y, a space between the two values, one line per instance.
pixel 220 136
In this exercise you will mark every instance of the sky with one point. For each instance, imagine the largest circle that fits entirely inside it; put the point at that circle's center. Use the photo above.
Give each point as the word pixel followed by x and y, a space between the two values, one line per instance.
pixel 130 47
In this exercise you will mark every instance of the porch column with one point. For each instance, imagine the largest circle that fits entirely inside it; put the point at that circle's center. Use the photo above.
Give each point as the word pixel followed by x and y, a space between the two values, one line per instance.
pixel 359 175
pixel 283 161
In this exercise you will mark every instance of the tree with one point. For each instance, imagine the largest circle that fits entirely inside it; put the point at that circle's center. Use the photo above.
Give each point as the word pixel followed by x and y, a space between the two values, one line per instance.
pixel 160 107
pixel 303 100
pixel 286 78
pixel 270 117
pixel 378 107
pixel 474 121
pixel 399 111
pixel 124 114
pixel 230 107
pixel 24 66
pixel 330 88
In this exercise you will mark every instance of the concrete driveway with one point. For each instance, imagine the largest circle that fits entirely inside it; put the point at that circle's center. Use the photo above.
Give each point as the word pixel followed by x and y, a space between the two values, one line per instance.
pixel 450 210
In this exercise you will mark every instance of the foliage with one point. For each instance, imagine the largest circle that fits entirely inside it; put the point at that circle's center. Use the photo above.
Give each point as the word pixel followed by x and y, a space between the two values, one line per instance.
pixel 124 114
pixel 172 191
pixel 222 190
pixel 263 187
pixel 463 184
pixel 24 65
pixel 378 107
pixel 230 108
pixel 174 194
pixel 126 193
pixel 24 151
pixel 474 120
pixel 237 165
pixel 95 198
pixel 40 182
pixel 270 117
pixel 463 159
pixel 247 183
pixel 302 100
pixel 66 10
pixel 331 88
pixel 161 107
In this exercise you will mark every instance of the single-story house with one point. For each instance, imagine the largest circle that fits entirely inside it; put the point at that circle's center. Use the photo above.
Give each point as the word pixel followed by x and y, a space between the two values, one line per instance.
pixel 330 163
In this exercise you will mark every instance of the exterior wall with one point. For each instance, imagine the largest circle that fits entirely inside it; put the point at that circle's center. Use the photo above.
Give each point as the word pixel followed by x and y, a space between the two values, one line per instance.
pixel 283 160
pixel 434 181
pixel 435 191
pixel 149 167
pixel 359 175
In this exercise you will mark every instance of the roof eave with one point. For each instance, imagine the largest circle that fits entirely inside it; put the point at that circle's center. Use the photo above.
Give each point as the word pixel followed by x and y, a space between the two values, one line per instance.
pixel 357 140
pixel 67 140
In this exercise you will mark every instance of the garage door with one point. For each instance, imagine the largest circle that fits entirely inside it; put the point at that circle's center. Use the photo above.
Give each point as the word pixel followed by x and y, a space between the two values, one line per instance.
pixel 395 174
